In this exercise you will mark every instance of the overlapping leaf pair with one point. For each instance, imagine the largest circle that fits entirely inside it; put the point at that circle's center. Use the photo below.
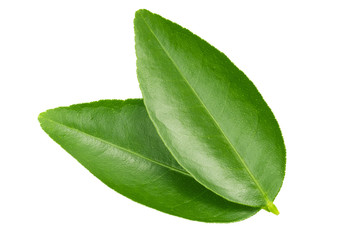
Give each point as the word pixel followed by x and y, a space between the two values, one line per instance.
pixel 203 145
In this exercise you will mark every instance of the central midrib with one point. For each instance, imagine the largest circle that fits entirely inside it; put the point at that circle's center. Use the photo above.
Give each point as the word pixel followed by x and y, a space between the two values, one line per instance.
pixel 119 147
pixel 211 116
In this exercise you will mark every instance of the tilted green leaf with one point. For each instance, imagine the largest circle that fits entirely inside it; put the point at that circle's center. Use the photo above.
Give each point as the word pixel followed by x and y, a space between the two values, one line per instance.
pixel 116 141
pixel 208 113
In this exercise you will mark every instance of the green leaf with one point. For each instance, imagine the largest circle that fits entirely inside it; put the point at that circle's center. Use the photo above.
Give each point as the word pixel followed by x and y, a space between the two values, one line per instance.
pixel 116 141
pixel 208 113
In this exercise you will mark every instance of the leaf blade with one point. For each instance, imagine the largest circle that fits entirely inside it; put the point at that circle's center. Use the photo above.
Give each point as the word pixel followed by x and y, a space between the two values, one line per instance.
pixel 116 141
pixel 188 88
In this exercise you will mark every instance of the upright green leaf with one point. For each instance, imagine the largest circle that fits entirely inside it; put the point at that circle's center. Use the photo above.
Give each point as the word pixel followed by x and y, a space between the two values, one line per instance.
pixel 116 141
pixel 208 113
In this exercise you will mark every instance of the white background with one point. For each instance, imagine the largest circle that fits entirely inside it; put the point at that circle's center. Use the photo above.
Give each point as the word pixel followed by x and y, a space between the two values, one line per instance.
pixel 304 57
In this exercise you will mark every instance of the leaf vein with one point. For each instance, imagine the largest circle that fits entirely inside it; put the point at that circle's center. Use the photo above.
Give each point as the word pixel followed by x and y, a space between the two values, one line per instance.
pixel 119 147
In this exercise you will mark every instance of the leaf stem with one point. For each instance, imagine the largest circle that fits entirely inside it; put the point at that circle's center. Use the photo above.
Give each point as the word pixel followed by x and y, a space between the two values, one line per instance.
pixel 270 207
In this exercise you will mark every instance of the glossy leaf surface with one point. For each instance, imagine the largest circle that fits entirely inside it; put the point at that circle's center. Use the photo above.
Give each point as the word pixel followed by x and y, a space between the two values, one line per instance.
pixel 208 113
pixel 116 141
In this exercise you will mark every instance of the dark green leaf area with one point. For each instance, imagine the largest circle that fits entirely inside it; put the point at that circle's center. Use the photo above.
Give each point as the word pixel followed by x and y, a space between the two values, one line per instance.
pixel 116 141
pixel 209 114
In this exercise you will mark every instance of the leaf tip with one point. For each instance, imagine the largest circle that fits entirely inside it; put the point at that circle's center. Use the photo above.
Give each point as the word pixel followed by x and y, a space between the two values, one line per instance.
pixel 41 116
pixel 141 12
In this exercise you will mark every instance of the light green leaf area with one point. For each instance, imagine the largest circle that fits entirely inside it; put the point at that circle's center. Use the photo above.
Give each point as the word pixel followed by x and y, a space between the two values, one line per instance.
pixel 116 141
pixel 209 114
